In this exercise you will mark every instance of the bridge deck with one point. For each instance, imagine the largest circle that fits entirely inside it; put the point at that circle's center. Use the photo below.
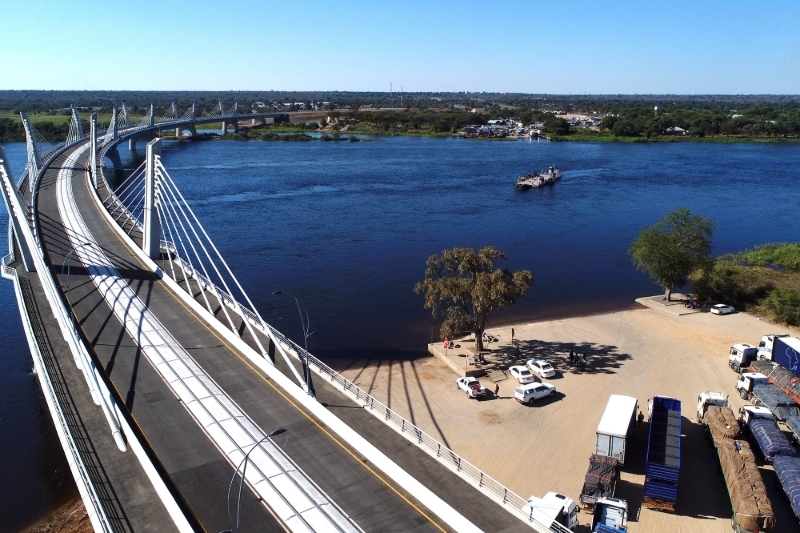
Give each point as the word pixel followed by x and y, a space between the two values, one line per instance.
pixel 196 468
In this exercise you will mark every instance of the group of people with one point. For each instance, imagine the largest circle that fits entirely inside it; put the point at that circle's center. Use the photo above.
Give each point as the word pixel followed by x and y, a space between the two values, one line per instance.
pixel 576 359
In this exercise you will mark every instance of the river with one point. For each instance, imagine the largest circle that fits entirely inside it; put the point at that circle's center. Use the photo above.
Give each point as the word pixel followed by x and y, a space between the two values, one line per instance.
pixel 346 228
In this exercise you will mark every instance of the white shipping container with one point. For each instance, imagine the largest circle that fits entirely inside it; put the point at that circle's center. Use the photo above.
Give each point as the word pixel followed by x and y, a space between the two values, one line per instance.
pixel 615 426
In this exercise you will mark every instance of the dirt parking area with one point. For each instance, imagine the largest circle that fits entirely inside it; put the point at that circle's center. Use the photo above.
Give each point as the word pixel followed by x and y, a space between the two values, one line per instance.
pixel 546 447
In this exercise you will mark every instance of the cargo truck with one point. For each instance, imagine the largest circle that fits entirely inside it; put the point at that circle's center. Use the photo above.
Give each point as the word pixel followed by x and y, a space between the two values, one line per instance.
pixel 786 351
pixel 770 440
pixel 555 511
pixel 765 346
pixel 741 355
pixel 610 515
pixel 752 510
pixel 663 460
pixel 748 381
pixel 616 427
pixel 780 404
pixel 600 481
pixel 788 471
pixel 707 399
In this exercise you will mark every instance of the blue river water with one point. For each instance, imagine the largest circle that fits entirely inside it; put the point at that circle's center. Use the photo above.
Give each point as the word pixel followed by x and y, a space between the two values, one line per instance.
pixel 346 228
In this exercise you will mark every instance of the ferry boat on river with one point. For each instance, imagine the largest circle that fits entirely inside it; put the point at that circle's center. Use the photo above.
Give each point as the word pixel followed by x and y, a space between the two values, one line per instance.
pixel 538 180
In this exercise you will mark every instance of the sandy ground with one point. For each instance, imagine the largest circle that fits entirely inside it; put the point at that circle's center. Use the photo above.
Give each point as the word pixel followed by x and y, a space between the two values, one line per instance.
pixel 70 519
pixel 546 447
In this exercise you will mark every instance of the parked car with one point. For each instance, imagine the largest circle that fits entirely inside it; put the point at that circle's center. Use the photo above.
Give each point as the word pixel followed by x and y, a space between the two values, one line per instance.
pixel 541 368
pixel 471 386
pixel 521 374
pixel 531 392
pixel 722 309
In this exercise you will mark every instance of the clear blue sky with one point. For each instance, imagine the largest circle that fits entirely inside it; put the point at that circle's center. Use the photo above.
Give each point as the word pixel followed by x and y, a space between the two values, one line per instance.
pixel 685 47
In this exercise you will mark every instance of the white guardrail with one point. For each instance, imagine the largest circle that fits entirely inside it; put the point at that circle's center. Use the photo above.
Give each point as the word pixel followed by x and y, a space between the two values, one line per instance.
pixel 91 501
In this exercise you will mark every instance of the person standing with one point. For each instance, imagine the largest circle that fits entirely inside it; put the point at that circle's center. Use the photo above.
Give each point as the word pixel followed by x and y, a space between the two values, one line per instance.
pixel 496 390
pixel 640 418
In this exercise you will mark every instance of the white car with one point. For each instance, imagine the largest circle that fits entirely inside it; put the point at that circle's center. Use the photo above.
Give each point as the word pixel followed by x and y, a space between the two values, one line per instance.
pixel 541 368
pixel 722 309
pixel 471 386
pixel 521 374
pixel 533 391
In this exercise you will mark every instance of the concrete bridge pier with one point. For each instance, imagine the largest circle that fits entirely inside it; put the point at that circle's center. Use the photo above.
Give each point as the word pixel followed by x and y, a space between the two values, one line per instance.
pixel 113 156
pixel 233 123
pixel 191 128
pixel 132 144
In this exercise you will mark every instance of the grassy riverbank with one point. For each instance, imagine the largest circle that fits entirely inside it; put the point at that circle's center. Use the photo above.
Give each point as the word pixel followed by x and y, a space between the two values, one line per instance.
pixel 764 280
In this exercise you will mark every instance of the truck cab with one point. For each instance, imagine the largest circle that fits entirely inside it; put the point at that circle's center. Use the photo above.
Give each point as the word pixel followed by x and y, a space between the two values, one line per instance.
pixel 741 355
pixel 747 381
pixel 553 510
pixel 754 412
pixel 706 399
pixel 610 516
pixel 765 346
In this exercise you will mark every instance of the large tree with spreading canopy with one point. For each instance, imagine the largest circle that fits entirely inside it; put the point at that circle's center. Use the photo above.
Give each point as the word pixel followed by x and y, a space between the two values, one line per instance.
pixel 673 248
pixel 465 287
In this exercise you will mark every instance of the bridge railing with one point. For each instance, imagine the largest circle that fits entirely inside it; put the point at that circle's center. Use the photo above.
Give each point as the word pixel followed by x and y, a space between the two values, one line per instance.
pixel 408 429
pixel 94 506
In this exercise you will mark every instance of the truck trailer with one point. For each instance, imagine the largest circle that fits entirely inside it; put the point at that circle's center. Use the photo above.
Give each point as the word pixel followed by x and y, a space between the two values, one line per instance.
pixel 768 437
pixel 663 461
pixel 780 404
pixel 766 344
pixel 616 426
pixel 786 351
pixel 600 481
pixel 788 471
pixel 752 510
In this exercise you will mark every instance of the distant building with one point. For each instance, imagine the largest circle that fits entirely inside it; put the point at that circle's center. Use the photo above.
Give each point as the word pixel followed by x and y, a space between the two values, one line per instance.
pixel 675 130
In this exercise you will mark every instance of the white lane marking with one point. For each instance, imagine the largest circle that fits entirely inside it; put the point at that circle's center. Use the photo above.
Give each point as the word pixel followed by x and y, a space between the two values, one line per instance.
pixel 287 490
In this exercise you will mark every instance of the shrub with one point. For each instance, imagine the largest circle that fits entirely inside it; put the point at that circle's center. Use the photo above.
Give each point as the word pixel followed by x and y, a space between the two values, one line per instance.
pixel 783 305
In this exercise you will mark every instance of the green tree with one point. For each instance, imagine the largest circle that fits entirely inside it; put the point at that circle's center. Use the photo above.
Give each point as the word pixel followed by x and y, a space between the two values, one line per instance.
pixel 465 287
pixel 674 247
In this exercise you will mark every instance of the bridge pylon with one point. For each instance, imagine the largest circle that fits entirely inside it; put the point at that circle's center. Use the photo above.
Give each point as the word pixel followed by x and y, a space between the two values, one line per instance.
pixel 152 115
pixel 151 241
pixel 34 155
pixel 93 148
pixel 75 127
pixel 126 118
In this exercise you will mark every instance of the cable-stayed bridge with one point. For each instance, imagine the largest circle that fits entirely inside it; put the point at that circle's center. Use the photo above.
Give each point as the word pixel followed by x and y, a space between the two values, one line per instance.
pixel 177 405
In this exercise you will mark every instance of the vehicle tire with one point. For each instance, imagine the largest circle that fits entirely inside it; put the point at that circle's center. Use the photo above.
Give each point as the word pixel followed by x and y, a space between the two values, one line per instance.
pixel 742 394
pixel 736 369
pixel 552 392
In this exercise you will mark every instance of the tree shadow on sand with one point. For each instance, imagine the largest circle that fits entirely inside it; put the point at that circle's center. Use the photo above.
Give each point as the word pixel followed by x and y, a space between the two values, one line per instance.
pixel 600 358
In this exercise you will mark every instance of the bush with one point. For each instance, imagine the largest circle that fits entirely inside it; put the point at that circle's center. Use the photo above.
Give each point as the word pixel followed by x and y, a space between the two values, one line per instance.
pixel 783 305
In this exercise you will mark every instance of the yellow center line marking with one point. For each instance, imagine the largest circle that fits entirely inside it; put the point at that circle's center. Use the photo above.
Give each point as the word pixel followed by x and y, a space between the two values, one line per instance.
pixel 266 380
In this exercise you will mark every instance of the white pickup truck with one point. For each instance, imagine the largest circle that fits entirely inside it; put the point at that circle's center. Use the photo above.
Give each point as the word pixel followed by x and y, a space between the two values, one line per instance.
pixel 471 386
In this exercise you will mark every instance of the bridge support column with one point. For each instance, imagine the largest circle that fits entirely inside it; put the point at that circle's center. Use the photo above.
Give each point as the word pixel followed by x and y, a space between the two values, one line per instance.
pixel 8 187
pixel 151 242
pixel 132 144
pixel 93 148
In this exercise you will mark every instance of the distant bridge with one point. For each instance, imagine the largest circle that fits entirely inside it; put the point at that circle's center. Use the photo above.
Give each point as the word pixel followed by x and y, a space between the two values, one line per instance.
pixel 168 389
